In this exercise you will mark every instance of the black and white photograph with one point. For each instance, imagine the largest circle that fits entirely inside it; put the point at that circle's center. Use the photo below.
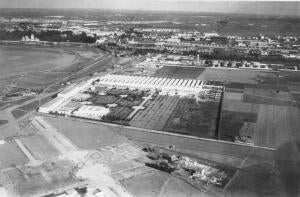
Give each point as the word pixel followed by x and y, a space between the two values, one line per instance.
pixel 149 98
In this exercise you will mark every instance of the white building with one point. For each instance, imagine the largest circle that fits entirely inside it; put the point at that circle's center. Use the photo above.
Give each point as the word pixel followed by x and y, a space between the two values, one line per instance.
pixel 90 111
pixel 182 87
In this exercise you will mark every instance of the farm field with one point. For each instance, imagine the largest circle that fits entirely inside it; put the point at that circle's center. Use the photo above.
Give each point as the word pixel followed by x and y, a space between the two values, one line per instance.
pixel 276 125
pixel 179 72
pixel 193 118
pixel 156 114
pixel 233 75
pixel 267 96
pixel 267 116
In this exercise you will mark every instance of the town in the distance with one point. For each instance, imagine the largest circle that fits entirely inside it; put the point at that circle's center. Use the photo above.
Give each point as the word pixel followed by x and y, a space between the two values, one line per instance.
pixel 117 103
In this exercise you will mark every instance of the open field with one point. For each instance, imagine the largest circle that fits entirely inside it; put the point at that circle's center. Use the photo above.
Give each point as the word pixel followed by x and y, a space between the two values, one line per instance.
pixel 156 114
pixel 233 75
pixel 39 147
pixel 179 72
pixel 86 135
pixel 11 155
pixel 16 60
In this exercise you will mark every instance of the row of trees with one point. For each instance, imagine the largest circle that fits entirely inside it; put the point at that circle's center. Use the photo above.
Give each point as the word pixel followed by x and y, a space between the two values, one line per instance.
pixel 54 36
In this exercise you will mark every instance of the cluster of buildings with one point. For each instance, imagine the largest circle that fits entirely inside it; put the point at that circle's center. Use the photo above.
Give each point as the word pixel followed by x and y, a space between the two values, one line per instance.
pixel 30 39
pixel 63 104
pixel 168 86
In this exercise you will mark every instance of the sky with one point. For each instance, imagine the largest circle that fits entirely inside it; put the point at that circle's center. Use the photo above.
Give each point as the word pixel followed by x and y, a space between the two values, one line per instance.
pixel 291 8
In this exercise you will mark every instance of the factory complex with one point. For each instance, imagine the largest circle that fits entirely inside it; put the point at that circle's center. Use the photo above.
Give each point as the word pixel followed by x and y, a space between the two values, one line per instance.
pixel 169 86
pixel 76 100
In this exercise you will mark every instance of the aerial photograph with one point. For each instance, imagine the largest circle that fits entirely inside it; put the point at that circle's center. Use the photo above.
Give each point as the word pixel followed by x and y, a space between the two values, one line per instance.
pixel 149 98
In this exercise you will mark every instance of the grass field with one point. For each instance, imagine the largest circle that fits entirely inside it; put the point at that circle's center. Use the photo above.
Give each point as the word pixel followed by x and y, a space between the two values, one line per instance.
pixel 179 72
pixel 156 114
pixel 232 75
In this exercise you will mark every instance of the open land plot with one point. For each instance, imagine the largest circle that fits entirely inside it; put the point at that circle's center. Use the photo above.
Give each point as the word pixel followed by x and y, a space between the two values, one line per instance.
pixel 11 155
pixel 193 118
pixel 156 114
pixel 7 132
pixel 86 135
pixel 39 147
pixel 232 75
pixel 20 111
pixel 276 125
pixel 179 72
